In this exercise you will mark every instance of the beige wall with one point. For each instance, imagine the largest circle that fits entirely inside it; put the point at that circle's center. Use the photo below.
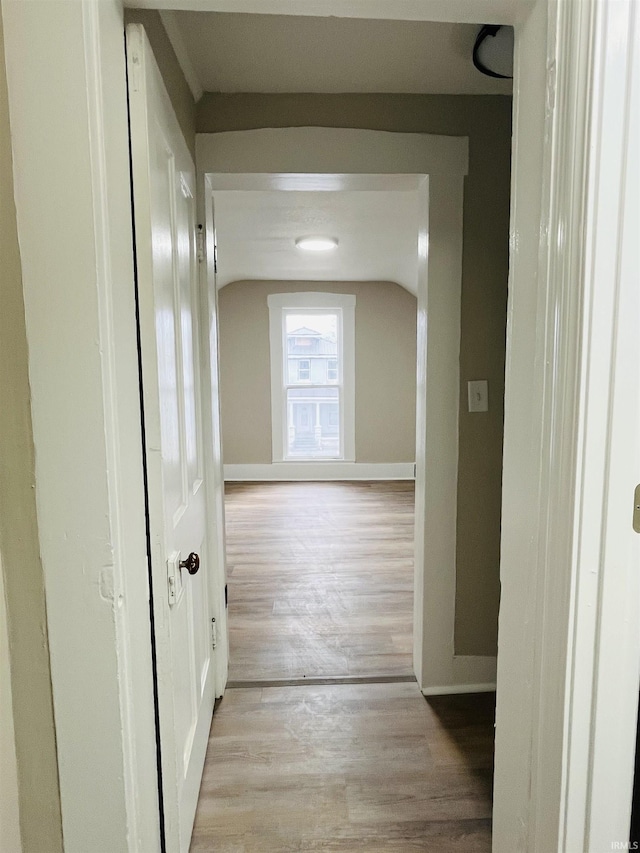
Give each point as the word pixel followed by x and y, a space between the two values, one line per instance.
pixel 174 79
pixel 385 353
pixel 486 120
pixel 37 771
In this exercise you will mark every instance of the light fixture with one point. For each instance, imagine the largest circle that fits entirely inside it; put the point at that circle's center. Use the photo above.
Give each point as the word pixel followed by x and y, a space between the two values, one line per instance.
pixel 317 244
pixel 493 52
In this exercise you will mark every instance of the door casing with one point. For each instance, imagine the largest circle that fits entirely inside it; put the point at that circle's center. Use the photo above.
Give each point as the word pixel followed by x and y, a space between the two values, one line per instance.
pixel 433 167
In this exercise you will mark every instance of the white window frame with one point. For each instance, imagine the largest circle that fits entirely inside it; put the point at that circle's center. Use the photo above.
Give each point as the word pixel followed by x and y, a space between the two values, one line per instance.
pixel 344 305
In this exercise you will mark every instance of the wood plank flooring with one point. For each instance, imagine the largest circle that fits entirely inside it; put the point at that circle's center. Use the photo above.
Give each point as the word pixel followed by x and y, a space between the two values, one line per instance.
pixel 344 768
pixel 321 584
pixel 320 579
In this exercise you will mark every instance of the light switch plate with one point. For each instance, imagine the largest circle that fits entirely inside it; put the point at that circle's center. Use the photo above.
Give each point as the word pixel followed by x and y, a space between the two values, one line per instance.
pixel 478 395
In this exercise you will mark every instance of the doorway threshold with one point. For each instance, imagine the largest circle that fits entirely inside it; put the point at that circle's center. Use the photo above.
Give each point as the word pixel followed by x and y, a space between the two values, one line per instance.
pixel 321 680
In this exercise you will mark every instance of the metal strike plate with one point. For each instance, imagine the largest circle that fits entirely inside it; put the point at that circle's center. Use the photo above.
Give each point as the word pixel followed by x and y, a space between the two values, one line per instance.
pixel 173 577
pixel 636 509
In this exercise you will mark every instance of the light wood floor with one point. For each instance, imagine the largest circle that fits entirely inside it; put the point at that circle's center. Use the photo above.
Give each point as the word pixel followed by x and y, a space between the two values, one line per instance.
pixel 320 579
pixel 343 768
pixel 321 584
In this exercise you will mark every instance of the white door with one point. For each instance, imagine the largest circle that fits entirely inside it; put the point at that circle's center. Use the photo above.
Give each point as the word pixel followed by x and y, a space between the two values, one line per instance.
pixel 168 306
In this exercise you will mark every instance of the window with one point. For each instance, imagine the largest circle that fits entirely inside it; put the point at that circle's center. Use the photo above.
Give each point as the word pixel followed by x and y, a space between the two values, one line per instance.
pixel 304 370
pixel 312 376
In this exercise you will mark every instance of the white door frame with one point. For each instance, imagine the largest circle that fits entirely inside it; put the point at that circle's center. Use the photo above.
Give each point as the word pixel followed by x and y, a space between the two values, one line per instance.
pixel 569 637
pixel 293 159
pixel 592 449
pixel 213 439
pixel 461 11
pixel 65 68
pixel 73 205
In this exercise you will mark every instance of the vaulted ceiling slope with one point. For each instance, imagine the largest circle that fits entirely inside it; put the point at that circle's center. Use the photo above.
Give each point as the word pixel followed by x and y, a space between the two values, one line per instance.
pixel 231 52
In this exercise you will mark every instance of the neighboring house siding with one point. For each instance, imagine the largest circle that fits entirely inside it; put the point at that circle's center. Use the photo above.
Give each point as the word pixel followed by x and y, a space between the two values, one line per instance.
pixel 309 357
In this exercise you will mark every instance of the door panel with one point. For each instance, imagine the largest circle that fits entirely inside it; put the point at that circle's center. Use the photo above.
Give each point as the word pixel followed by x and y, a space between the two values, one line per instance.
pixel 168 299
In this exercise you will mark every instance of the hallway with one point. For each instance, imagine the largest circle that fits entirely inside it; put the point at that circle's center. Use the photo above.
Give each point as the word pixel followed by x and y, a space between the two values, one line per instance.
pixel 367 767
pixel 321 586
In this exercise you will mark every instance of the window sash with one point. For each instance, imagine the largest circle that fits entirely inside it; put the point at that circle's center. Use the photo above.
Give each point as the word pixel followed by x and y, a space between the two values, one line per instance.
pixel 343 307
pixel 335 398
pixel 287 386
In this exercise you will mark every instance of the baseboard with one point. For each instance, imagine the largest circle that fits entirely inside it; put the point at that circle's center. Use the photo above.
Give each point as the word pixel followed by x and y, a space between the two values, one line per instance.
pixel 452 689
pixel 284 471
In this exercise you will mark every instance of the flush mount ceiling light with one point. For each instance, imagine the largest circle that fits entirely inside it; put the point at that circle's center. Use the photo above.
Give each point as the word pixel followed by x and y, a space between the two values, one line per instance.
pixel 317 244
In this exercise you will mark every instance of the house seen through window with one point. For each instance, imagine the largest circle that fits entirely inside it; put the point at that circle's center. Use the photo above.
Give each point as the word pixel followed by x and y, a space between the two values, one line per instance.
pixel 313 411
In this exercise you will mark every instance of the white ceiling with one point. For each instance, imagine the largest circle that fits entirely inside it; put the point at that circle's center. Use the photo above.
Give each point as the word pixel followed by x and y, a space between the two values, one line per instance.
pixel 377 232
pixel 231 52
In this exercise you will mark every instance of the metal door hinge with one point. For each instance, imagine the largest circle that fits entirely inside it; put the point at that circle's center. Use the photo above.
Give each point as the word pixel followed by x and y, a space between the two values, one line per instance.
pixel 636 509
pixel 200 244
pixel 214 634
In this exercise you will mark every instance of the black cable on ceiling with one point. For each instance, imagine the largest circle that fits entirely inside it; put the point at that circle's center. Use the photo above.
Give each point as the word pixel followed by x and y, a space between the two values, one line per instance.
pixel 488 30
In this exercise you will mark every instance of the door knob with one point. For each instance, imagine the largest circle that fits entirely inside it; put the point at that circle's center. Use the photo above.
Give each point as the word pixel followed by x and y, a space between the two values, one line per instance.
pixel 191 564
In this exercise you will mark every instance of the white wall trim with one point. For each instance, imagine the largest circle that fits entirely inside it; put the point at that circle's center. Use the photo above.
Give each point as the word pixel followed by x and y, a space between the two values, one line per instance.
pixel 569 643
pixel 522 451
pixel 284 471
pixel 602 605
pixel 317 182
pixel 213 439
pixel 441 162
pixel 330 151
pixel 437 410
pixel 463 11
pixel 174 35
pixel 320 299
pixel 76 252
